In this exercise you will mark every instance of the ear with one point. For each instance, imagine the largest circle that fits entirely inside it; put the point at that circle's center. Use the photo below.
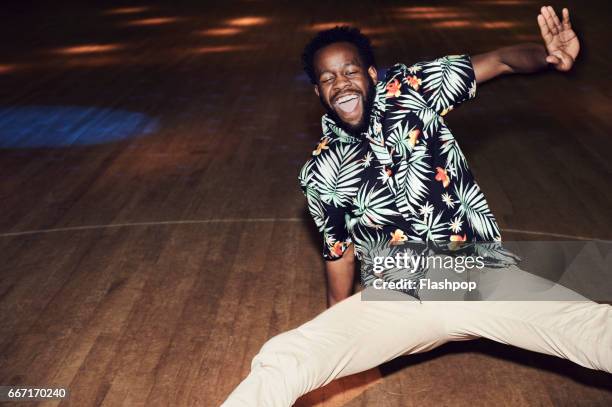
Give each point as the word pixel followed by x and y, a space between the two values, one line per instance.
pixel 316 89
pixel 373 74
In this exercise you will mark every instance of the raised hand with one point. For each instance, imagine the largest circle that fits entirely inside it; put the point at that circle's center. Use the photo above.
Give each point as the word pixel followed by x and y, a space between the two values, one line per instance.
pixel 560 40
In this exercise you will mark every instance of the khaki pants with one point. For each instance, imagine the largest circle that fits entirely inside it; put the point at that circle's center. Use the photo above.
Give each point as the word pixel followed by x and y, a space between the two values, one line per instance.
pixel 356 335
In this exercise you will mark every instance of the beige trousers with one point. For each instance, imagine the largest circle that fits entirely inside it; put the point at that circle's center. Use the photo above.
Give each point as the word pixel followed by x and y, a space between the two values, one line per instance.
pixel 355 335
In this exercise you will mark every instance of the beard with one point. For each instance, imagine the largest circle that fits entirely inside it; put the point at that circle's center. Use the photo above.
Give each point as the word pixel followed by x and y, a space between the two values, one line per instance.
pixel 368 103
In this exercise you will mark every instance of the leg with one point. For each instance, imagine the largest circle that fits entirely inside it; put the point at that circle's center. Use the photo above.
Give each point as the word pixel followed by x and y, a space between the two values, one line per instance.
pixel 350 337
pixel 578 331
pixel 552 319
pixel 356 335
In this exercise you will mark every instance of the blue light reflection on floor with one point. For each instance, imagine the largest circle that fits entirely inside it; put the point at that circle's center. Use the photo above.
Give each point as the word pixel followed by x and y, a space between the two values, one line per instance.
pixel 64 126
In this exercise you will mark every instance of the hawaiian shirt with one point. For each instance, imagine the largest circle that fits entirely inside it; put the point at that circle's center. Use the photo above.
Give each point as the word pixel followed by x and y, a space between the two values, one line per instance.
pixel 405 178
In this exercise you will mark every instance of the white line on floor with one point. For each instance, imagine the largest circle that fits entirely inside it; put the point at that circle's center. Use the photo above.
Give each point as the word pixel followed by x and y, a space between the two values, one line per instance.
pixel 242 220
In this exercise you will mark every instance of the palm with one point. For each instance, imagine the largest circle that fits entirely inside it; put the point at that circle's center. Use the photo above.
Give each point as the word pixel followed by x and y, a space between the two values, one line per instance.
pixel 566 41
pixel 560 40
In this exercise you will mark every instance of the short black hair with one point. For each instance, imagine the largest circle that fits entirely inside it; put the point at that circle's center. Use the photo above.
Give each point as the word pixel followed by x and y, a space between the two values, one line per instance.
pixel 331 36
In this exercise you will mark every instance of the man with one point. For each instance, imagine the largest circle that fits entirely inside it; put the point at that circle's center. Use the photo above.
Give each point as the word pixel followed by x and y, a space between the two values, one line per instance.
pixel 410 180
pixel 387 170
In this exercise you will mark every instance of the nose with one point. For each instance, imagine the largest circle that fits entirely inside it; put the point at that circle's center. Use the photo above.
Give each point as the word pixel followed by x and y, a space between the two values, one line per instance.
pixel 341 82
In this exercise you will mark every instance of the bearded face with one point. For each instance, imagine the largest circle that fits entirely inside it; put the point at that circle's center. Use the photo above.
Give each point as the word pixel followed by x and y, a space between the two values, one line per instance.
pixel 346 88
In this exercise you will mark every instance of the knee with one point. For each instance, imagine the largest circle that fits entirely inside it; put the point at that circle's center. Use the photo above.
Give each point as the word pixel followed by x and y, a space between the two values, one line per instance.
pixel 275 353
pixel 286 367
pixel 270 382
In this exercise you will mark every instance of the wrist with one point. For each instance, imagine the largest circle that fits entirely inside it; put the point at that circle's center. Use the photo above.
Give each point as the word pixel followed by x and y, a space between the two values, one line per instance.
pixel 524 58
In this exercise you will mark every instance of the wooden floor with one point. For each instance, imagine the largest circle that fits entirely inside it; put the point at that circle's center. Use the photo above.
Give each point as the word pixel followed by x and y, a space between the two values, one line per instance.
pixel 149 271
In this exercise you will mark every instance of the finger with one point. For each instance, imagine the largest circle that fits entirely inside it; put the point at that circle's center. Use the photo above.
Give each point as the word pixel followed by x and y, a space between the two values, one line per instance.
pixel 551 59
pixel 566 61
pixel 566 20
pixel 544 28
pixel 555 18
pixel 549 21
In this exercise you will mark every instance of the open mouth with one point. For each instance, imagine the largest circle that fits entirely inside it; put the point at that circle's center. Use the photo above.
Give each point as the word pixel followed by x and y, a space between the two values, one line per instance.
pixel 347 103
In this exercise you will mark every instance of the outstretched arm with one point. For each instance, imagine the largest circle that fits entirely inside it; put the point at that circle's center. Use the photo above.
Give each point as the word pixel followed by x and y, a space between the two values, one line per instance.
pixel 560 49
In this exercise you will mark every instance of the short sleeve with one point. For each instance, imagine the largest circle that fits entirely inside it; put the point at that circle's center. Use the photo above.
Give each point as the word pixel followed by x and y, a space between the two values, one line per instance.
pixel 330 220
pixel 444 83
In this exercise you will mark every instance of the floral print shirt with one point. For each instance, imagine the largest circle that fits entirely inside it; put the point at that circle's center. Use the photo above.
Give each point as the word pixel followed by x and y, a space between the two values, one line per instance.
pixel 405 178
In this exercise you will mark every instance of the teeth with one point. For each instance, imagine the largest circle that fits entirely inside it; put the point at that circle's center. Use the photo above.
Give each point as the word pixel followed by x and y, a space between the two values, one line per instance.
pixel 346 98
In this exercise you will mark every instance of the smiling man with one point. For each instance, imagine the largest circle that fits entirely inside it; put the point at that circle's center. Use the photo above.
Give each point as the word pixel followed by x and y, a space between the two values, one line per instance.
pixel 346 88
pixel 387 170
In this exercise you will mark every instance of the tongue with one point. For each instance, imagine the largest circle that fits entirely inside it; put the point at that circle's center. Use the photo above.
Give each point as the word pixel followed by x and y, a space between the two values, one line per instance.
pixel 349 106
